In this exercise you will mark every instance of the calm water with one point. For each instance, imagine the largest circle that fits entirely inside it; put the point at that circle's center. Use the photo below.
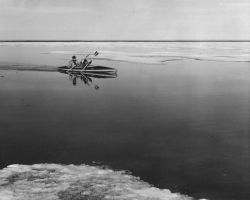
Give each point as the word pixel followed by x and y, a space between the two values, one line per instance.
pixel 183 126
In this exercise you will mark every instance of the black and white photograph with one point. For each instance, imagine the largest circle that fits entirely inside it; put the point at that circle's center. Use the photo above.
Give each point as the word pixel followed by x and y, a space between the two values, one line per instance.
pixel 124 100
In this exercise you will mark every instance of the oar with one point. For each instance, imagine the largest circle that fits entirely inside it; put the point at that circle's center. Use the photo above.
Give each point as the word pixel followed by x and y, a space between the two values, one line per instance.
pixel 95 54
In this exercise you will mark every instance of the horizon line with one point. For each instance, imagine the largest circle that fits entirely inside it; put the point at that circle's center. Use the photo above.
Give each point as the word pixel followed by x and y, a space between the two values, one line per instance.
pixel 124 40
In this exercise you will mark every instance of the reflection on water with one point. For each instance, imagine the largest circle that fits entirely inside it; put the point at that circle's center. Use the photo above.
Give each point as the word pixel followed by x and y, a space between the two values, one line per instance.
pixel 86 77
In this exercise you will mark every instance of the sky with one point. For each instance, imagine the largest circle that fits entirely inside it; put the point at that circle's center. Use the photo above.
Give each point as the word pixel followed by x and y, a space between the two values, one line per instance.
pixel 124 20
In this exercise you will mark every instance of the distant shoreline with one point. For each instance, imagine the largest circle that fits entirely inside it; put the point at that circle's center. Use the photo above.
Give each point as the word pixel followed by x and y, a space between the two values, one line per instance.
pixel 124 40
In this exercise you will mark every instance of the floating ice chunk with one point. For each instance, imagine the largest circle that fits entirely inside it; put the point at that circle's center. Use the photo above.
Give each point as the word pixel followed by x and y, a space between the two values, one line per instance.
pixel 69 182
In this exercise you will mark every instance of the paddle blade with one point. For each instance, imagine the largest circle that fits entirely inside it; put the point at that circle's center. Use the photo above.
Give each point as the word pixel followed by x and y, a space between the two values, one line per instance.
pixel 96 53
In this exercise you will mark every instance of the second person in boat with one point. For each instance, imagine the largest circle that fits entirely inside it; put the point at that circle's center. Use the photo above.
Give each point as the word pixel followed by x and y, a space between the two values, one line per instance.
pixel 85 63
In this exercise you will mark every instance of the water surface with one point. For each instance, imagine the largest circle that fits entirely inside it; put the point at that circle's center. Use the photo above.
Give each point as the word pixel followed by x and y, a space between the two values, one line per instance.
pixel 183 126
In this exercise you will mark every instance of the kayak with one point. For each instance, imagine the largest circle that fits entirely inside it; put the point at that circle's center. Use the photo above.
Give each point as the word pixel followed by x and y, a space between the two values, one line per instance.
pixel 89 69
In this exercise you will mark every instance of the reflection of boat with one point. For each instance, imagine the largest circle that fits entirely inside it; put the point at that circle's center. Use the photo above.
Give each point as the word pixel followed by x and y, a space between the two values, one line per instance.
pixel 86 75
pixel 89 69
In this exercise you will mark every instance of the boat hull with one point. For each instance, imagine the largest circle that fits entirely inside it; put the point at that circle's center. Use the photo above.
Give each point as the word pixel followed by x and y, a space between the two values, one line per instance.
pixel 89 69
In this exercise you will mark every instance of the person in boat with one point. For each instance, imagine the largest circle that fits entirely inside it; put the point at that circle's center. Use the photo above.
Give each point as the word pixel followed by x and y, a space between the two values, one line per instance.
pixel 85 62
pixel 73 63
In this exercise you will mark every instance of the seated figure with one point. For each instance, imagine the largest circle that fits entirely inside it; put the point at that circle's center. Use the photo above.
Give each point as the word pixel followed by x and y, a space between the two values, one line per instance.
pixel 73 63
pixel 85 63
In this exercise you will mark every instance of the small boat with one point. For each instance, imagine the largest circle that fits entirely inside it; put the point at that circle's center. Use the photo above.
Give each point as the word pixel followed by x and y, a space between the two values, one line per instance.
pixel 89 69
pixel 93 75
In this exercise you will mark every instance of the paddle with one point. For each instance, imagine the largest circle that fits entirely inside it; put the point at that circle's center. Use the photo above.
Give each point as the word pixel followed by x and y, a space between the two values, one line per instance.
pixel 95 54
pixel 88 63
